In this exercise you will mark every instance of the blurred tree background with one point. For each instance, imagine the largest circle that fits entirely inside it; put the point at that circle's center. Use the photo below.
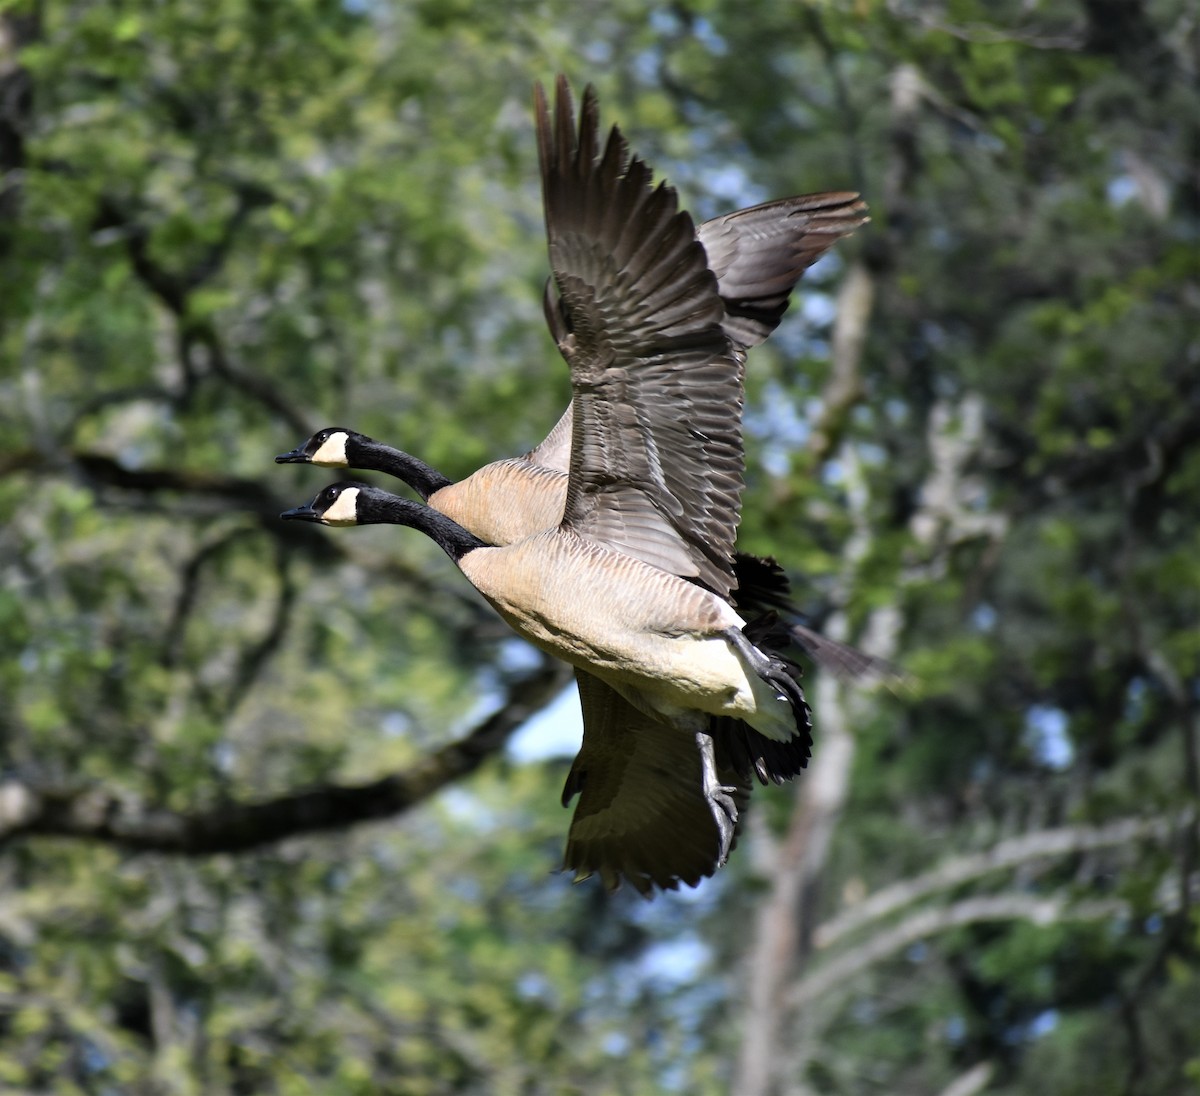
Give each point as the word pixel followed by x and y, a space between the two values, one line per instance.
pixel 271 820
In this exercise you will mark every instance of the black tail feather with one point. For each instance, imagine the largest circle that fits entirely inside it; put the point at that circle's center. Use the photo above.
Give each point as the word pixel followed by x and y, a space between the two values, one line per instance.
pixel 749 752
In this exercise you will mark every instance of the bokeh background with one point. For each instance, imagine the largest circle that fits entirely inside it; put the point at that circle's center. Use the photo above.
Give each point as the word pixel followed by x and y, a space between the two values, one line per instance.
pixel 279 806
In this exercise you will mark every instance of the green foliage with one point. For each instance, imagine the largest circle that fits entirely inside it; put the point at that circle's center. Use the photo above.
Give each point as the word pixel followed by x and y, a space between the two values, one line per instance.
pixel 229 222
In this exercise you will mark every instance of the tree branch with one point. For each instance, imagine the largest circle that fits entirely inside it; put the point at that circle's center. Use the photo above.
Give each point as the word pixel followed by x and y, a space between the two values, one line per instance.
pixel 203 333
pixel 844 388
pixel 784 923
pixel 189 588
pixel 96 815
pixel 976 1079
pixel 16 109
pixel 250 196
pixel 929 922
pixel 963 869
pixel 254 659
pixel 172 290
pixel 103 470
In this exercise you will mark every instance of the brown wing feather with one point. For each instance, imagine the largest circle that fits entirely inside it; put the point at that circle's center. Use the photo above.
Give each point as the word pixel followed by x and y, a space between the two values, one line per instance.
pixel 642 814
pixel 656 459
pixel 759 254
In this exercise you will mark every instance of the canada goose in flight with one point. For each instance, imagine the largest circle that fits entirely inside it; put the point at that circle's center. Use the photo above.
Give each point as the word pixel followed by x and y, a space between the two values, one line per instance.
pixel 757 256
pixel 682 700
pixel 510 499
pixel 653 494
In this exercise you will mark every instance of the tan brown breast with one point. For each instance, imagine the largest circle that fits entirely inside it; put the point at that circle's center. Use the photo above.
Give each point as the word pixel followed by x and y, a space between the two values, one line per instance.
pixel 506 501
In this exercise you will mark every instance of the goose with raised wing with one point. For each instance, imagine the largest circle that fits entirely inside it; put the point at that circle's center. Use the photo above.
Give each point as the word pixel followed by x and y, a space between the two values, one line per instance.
pixel 630 574
pixel 757 256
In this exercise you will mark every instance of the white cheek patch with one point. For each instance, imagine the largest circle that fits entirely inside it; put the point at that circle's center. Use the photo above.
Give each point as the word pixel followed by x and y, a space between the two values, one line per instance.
pixel 333 451
pixel 344 510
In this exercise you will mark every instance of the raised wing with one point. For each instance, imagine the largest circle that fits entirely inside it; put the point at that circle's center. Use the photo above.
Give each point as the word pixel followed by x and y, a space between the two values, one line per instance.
pixel 643 813
pixel 759 254
pixel 656 454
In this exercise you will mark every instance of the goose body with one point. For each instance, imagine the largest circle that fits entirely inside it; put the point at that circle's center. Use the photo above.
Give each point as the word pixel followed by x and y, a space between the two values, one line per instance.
pixel 668 646
pixel 610 544
pixel 660 642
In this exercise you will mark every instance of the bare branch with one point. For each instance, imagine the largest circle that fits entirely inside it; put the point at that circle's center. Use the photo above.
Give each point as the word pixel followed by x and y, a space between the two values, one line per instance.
pixel 929 922
pixel 97 815
pixel 976 1079
pixel 963 869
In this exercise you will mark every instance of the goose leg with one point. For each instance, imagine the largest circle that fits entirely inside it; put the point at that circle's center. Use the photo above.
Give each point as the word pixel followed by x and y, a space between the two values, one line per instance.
pixel 724 809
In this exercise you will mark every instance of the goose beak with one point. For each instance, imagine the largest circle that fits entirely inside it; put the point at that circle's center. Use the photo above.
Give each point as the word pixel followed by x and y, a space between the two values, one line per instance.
pixel 303 513
pixel 295 456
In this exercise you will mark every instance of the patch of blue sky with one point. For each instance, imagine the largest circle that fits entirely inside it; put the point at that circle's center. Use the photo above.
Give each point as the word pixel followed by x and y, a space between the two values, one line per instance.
pixel 616 1044
pixel 555 731
pixel 730 185
pixel 1121 190
pixel 775 421
pixel 1048 737
pixel 670 964
pixel 395 724
pixel 983 617
pixel 1043 1023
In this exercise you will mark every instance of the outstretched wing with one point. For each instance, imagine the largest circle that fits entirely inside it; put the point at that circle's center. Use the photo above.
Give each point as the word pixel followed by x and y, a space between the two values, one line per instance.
pixel 656 452
pixel 759 254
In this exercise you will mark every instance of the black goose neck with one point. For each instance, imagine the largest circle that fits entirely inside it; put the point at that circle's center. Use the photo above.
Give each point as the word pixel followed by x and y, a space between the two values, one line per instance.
pixel 377 507
pixel 374 456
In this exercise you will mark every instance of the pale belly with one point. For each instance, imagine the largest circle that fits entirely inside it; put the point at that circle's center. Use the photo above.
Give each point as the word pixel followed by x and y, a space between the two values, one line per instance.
pixel 653 637
pixel 672 676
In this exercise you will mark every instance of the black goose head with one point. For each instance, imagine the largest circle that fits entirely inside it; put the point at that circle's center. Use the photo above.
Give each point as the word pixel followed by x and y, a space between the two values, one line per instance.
pixel 351 503
pixel 333 447
pixel 338 504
